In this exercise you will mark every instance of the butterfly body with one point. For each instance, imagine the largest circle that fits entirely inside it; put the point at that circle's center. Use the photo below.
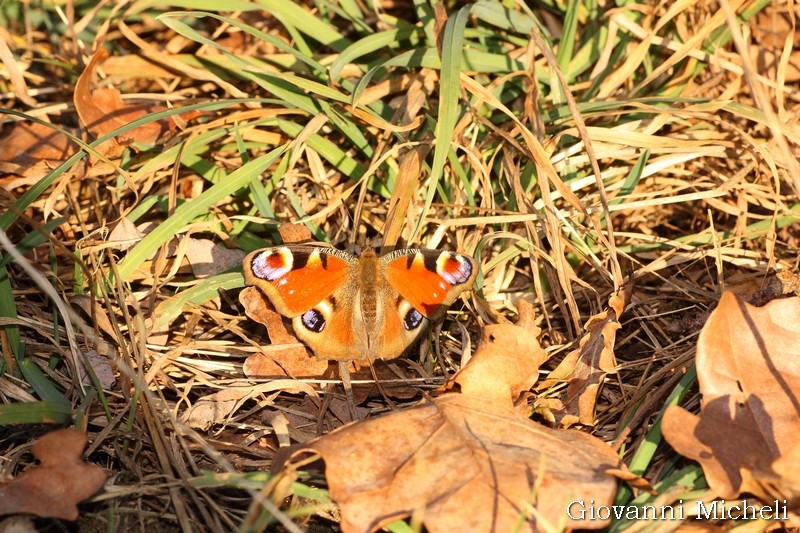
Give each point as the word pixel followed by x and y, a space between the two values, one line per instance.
pixel 351 308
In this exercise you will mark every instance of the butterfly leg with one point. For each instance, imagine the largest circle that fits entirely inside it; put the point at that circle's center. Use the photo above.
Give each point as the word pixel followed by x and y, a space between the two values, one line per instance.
pixel 344 375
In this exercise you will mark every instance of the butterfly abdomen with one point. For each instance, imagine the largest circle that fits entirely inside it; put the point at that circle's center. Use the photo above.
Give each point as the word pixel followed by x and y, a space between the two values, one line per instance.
pixel 367 291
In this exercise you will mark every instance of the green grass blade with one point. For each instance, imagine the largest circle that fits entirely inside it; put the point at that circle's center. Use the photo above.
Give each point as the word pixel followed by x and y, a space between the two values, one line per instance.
pixel 566 46
pixel 200 5
pixel 647 449
pixel 40 383
pixel 368 45
pixel 8 309
pixel 35 413
pixel 632 179
pixel 293 15
pixel 169 19
pixel 448 114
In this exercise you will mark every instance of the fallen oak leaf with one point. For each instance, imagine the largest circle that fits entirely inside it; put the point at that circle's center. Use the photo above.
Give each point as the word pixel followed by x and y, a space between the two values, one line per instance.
pixel 748 369
pixel 446 457
pixel 293 359
pixel 32 150
pixel 452 455
pixel 585 368
pixel 53 488
pixel 102 111
pixel 497 373
pixel 29 143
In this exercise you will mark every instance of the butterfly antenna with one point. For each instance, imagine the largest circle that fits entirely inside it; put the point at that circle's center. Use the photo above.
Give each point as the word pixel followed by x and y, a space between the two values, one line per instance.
pixel 362 194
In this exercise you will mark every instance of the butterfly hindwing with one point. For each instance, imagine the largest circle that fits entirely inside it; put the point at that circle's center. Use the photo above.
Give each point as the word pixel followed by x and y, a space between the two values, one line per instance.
pixel 296 278
pixel 402 325
pixel 428 279
pixel 329 330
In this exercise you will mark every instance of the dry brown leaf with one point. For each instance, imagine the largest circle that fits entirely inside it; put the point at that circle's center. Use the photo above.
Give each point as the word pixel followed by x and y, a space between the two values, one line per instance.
pixel 259 366
pixel 102 111
pixel 497 373
pixel 450 456
pixel 585 368
pixel 32 150
pixel 772 27
pixel 135 66
pixel 53 488
pixel 748 368
pixel 124 235
pixel 295 360
pixel 294 233
pixel 208 258
pixel 101 366
pixel 468 461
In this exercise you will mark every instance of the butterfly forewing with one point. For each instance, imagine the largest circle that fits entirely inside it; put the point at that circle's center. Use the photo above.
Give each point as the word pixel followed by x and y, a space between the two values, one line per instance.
pixel 430 280
pixel 297 278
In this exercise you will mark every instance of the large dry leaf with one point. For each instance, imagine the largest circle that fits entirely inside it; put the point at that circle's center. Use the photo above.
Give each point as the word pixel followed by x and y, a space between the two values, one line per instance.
pixel 748 369
pixel 54 488
pixel 468 461
pixel 508 362
pixel 466 465
pixel 289 356
pixel 585 368
pixel 32 150
pixel 102 111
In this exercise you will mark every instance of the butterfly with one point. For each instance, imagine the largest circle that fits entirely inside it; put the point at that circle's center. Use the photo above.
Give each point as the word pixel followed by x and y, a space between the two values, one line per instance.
pixel 353 308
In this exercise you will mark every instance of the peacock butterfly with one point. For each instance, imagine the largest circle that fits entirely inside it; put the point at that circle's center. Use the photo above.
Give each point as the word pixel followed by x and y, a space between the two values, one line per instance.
pixel 351 308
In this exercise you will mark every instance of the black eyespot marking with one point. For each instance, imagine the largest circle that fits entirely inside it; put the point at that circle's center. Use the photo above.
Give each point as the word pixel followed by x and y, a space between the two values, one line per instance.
pixel 313 321
pixel 412 320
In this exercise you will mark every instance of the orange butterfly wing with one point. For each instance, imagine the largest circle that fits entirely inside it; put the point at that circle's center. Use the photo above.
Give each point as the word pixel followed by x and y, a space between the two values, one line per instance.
pixel 296 278
pixel 430 280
